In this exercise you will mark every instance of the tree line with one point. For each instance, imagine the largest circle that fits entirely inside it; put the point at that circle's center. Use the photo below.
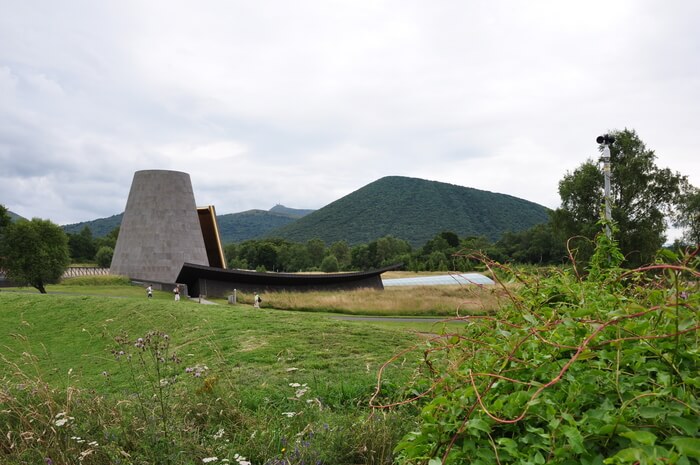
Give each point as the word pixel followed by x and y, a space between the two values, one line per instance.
pixel 444 252
pixel 645 200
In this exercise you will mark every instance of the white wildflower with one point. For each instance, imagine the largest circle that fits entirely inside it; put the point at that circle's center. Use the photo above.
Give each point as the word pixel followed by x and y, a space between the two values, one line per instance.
pixel 289 414
pixel 300 392
pixel 210 459
pixel 295 385
pixel 219 434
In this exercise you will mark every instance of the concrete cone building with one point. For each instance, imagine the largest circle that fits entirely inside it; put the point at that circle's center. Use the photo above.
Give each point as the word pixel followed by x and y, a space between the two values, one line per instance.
pixel 160 229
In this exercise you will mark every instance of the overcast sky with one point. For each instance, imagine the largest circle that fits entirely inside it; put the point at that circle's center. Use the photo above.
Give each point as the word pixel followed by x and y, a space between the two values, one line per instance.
pixel 302 102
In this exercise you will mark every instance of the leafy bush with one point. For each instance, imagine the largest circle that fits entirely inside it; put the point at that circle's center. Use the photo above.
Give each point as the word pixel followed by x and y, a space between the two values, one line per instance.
pixel 601 369
pixel 103 257
pixel 329 264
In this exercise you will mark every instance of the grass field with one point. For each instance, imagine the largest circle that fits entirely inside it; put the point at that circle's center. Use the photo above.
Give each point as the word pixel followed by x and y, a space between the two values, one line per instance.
pixel 590 370
pixel 268 378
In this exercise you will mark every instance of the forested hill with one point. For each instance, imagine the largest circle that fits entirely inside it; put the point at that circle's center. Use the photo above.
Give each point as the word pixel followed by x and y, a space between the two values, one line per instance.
pixel 15 216
pixel 253 224
pixel 99 228
pixel 292 212
pixel 414 210
pixel 233 227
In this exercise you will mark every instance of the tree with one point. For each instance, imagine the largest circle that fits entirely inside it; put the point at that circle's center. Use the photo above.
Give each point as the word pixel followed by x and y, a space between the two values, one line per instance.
pixel 103 257
pixel 5 219
pixel 642 196
pixel 317 250
pixel 688 215
pixel 538 245
pixel 35 252
pixel 329 264
pixel 267 256
pixel 110 240
pixel 361 257
pixel 82 246
pixel 341 250
pixel 451 238
pixel 389 249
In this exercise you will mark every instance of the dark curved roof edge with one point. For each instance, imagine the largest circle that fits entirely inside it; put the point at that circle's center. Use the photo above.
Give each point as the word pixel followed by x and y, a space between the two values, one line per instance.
pixel 208 272
pixel 198 277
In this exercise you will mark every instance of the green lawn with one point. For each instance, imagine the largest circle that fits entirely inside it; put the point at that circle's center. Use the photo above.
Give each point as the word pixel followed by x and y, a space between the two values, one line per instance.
pixel 256 360
pixel 76 333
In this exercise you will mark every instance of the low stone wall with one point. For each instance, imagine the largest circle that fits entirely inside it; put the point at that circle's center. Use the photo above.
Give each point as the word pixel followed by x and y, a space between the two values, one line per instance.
pixel 77 271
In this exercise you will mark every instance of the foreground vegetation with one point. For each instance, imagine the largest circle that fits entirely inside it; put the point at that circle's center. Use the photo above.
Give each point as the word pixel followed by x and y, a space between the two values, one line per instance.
pixel 595 367
pixel 90 379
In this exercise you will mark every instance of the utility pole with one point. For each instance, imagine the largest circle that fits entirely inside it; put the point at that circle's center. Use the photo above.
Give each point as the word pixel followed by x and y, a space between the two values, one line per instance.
pixel 606 140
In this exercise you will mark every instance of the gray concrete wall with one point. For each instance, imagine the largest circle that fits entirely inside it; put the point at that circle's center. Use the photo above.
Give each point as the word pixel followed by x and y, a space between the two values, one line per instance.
pixel 160 229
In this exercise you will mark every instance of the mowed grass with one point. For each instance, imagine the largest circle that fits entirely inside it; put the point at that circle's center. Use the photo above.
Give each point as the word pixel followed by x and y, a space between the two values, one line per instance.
pixel 270 378
pixel 69 339
pixel 73 329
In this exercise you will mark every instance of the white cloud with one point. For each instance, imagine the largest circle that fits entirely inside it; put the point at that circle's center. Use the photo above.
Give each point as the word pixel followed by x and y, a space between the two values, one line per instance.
pixel 303 102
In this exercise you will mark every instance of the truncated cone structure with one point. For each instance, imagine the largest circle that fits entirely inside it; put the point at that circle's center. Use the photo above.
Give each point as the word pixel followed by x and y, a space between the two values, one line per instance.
pixel 165 239
pixel 160 229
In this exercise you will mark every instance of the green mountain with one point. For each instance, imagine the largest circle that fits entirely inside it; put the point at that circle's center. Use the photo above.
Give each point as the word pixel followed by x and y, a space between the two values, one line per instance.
pixel 99 228
pixel 407 208
pixel 415 210
pixel 15 216
pixel 293 212
pixel 233 227
pixel 253 224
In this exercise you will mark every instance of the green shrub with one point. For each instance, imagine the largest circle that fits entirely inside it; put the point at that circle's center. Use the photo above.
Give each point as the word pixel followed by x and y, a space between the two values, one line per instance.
pixel 103 257
pixel 601 369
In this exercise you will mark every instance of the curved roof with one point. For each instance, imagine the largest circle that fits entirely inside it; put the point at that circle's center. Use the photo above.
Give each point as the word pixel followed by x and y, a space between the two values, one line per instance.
pixel 200 278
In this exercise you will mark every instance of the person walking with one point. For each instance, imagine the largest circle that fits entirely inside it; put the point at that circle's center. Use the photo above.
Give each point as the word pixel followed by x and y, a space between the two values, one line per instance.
pixel 256 301
pixel 149 291
pixel 176 291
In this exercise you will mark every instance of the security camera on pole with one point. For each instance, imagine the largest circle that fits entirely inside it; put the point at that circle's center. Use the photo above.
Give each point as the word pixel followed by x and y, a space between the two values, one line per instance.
pixel 606 140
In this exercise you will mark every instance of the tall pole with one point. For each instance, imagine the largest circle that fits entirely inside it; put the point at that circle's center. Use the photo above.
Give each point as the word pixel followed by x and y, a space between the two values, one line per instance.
pixel 606 174
pixel 606 140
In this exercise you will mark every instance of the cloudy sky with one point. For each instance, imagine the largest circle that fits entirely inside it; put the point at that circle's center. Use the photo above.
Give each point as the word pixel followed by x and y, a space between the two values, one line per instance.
pixel 302 102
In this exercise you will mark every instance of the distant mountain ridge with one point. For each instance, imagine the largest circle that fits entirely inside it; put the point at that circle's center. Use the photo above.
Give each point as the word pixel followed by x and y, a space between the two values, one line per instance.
pixel 233 227
pixel 293 212
pixel 14 216
pixel 99 228
pixel 414 210
pixel 253 224
pixel 407 208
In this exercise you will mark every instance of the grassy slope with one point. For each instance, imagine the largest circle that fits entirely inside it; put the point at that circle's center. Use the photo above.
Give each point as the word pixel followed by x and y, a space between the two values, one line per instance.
pixel 50 335
pixel 255 360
